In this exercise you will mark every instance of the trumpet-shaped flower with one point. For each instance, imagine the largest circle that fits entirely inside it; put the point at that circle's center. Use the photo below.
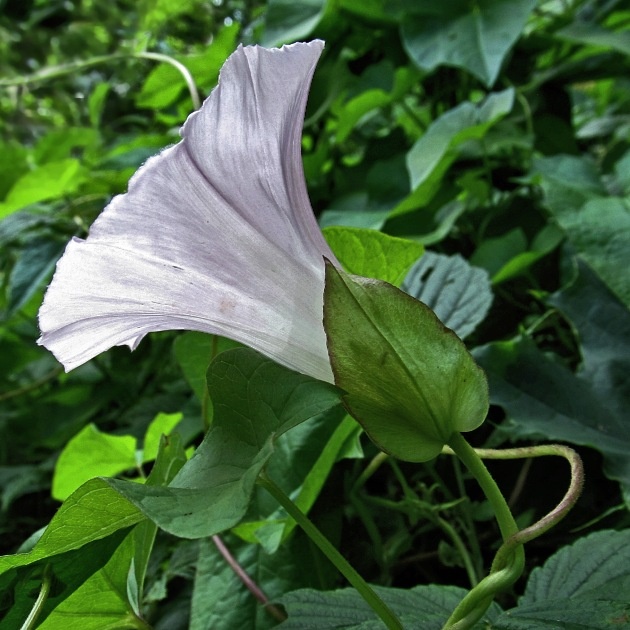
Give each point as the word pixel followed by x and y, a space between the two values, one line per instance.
pixel 215 234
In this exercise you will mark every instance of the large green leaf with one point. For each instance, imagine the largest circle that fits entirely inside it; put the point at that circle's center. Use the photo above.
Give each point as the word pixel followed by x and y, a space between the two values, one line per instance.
pixel 222 602
pixel 110 599
pixel 409 381
pixel 584 585
pixel 458 293
pixel 475 36
pixel 426 607
pixel 79 541
pixel 255 401
pixel 372 254
pixel 543 398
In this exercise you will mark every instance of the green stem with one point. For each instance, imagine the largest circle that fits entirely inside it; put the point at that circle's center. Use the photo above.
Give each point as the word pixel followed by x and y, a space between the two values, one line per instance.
pixel 377 604
pixel 31 620
pixel 477 468
pixel 458 543
pixel 509 562
pixel 509 559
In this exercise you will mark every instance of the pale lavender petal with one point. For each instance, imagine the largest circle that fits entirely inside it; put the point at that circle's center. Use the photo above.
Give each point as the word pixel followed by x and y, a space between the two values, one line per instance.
pixel 216 234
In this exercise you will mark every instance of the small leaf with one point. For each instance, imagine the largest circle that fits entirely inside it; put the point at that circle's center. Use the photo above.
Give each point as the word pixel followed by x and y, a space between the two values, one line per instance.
pixel 458 293
pixel 194 352
pixel 372 254
pixel 410 381
pixel 50 181
pixel 90 454
pixel 289 21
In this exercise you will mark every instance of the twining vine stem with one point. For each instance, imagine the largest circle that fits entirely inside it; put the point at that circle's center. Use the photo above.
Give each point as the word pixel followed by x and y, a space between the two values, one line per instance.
pixel 509 560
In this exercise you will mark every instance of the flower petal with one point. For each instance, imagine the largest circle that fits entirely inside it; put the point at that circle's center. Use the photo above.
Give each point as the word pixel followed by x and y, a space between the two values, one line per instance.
pixel 216 233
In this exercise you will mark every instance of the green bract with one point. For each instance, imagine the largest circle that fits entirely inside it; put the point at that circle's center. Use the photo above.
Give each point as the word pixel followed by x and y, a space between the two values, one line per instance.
pixel 409 380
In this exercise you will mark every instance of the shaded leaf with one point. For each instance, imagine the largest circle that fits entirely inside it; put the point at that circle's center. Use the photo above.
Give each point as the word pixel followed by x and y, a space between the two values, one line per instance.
pixel 543 398
pixel 597 225
pixel 474 36
pixel 584 585
pixel 458 293
pixel 435 151
pixel 288 21
pixel 35 264
pixel 429 606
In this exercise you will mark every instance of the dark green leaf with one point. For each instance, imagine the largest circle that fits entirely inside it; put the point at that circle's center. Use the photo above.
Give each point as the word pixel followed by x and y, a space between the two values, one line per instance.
pixel 426 607
pixel 543 398
pixel 474 36
pixel 458 293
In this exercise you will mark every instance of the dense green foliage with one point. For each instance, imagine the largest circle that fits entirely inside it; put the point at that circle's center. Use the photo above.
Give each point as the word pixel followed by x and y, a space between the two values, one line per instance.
pixel 496 134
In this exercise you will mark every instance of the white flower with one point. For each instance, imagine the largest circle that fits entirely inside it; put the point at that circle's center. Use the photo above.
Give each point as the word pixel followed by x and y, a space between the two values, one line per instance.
pixel 216 233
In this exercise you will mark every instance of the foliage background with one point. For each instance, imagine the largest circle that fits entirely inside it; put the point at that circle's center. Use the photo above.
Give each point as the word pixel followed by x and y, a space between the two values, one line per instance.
pixel 496 130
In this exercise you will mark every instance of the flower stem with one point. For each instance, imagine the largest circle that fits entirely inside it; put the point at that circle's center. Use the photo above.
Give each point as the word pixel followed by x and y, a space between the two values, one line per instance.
pixel 377 604
pixel 509 562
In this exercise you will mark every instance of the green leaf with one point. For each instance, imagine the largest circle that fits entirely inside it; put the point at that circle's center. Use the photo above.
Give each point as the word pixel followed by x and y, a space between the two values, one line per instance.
pixel 590 565
pixel 255 401
pixel 584 585
pixel 372 254
pixel 427 607
pixel 435 151
pixel 543 398
pixel 222 602
pixel 80 539
pixel 111 597
pixel 163 424
pixel 288 21
pixel 50 181
pixel 458 293
pixel 597 225
pixel 409 381
pixel 303 460
pixel 101 602
pixel 91 454
pixel 595 35
pixel 36 261
pixel 194 352
pixel 475 36
pixel 165 83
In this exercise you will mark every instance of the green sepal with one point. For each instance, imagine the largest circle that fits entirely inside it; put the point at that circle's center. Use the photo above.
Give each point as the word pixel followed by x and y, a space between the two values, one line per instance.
pixel 409 381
